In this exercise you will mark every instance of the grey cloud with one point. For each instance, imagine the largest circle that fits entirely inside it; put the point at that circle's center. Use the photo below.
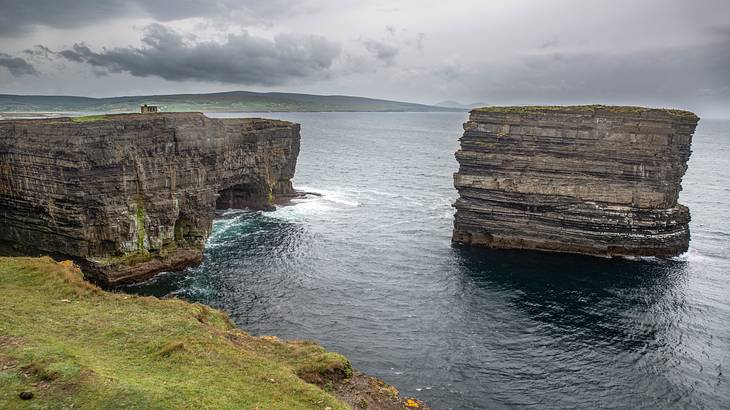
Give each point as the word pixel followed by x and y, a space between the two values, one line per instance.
pixel 448 70
pixel 419 40
pixel 79 54
pixel 39 51
pixel 382 51
pixel 393 43
pixel 548 44
pixel 241 59
pixel 18 16
pixel 680 76
pixel 670 52
pixel 722 31
pixel 16 65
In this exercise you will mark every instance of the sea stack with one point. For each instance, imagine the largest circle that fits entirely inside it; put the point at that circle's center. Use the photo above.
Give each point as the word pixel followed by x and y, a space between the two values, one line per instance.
pixel 595 180
pixel 128 196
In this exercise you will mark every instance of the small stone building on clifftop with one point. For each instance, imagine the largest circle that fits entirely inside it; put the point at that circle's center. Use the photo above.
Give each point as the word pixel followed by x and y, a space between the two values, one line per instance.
pixel 148 109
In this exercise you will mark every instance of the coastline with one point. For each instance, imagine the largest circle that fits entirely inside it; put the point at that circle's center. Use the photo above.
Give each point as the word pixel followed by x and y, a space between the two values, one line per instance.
pixel 69 342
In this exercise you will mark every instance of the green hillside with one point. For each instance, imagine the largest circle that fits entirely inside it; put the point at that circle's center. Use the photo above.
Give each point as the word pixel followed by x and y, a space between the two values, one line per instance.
pixel 236 101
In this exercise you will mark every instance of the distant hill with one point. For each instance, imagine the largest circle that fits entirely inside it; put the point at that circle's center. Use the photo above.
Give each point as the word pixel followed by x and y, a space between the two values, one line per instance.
pixel 243 101
pixel 458 105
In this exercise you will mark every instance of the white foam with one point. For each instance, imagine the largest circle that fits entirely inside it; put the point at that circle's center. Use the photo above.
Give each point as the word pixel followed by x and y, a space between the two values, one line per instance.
pixel 693 255
pixel 220 226
pixel 231 211
pixel 641 258
pixel 322 201
pixel 339 197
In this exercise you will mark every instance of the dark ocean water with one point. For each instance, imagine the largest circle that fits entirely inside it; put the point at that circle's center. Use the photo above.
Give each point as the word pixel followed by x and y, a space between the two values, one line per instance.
pixel 368 270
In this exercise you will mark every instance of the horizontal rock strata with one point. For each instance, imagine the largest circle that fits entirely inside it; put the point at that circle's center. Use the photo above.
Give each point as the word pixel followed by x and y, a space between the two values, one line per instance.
pixel 594 180
pixel 128 196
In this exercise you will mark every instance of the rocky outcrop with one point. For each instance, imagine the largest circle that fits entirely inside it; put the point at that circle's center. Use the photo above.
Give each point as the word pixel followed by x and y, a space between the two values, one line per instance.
pixel 128 196
pixel 594 180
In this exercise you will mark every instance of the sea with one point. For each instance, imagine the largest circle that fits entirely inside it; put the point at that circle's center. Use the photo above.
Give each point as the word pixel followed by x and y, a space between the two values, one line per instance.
pixel 367 269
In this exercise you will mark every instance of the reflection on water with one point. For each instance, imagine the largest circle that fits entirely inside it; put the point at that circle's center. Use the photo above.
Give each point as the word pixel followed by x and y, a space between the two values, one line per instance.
pixel 368 270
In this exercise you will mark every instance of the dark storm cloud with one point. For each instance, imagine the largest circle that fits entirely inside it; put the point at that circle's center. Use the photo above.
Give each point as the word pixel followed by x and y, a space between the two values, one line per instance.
pixel 18 16
pixel 16 65
pixel 241 59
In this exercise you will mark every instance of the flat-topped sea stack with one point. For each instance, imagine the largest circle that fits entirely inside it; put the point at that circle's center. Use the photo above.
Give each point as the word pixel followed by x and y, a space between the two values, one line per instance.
pixel 131 195
pixel 595 180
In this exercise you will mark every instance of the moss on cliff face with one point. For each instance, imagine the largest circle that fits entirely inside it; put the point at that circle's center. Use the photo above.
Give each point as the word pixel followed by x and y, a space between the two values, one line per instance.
pixel 270 195
pixel 139 219
pixel 74 345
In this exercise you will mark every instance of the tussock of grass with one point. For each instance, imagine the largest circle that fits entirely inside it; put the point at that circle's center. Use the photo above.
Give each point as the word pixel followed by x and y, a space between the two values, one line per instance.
pixel 88 118
pixel 171 348
pixel 74 345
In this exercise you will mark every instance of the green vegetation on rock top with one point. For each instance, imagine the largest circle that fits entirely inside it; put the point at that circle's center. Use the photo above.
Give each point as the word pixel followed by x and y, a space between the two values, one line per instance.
pixel 74 345
pixel 88 118
pixel 614 109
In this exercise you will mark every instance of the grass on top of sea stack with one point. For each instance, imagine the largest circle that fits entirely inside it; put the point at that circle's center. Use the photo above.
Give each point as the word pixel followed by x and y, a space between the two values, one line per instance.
pixel 74 345
pixel 584 109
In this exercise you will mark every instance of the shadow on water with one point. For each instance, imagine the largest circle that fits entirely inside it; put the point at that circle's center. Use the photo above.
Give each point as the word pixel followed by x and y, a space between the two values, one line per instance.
pixel 613 302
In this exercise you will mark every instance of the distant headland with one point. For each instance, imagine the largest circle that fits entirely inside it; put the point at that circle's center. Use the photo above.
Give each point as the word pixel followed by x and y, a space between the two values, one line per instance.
pixel 234 101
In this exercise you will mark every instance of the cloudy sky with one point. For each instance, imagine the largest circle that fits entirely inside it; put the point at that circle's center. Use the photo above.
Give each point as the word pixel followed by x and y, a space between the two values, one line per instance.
pixel 670 53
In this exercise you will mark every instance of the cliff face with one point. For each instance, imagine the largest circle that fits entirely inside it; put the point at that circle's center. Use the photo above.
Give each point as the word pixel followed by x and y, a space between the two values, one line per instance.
pixel 593 180
pixel 128 196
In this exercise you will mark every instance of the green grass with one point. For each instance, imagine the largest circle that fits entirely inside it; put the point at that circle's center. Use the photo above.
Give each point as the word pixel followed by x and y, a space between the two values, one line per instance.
pixel 74 345
pixel 88 118
pixel 616 109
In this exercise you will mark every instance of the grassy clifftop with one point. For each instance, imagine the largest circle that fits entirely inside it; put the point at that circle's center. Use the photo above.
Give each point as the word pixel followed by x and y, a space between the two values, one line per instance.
pixel 584 109
pixel 74 345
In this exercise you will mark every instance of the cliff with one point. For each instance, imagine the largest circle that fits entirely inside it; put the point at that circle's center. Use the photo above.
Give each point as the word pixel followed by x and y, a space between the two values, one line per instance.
pixel 124 351
pixel 127 196
pixel 596 180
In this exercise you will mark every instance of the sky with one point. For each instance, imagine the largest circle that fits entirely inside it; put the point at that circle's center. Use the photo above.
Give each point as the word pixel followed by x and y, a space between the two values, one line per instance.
pixel 662 53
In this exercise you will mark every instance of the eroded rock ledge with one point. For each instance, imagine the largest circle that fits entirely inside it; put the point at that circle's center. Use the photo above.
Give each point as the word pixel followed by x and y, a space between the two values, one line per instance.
pixel 596 180
pixel 128 196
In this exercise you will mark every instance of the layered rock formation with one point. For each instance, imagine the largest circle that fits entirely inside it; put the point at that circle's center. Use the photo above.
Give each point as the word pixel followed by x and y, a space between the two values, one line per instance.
pixel 128 196
pixel 594 180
